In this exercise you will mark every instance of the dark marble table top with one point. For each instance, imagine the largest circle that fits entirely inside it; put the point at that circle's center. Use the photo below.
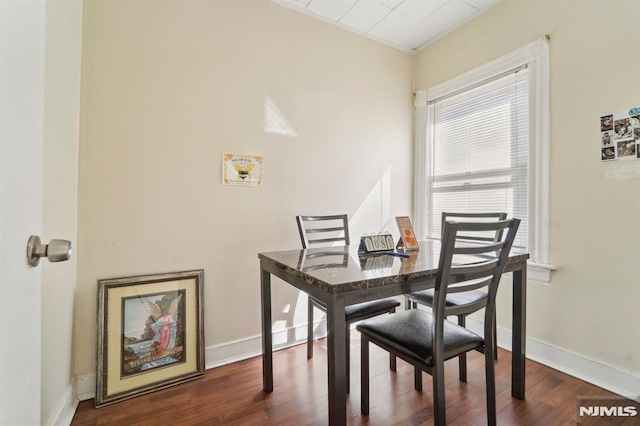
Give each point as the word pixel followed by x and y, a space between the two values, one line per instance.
pixel 341 269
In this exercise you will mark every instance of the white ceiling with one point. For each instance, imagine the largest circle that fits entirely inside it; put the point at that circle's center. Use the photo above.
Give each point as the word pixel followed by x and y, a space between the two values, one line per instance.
pixel 405 24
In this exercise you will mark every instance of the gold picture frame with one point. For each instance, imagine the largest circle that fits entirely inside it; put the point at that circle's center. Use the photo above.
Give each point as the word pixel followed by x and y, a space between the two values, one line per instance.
pixel 150 334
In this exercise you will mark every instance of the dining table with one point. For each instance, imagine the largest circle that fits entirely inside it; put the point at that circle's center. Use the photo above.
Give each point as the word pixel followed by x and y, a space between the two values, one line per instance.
pixel 342 276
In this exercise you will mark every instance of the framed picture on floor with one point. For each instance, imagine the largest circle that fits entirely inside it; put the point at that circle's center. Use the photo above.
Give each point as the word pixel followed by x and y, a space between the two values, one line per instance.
pixel 150 334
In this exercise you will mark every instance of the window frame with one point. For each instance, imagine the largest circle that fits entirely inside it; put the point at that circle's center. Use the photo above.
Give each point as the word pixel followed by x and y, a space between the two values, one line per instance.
pixel 535 56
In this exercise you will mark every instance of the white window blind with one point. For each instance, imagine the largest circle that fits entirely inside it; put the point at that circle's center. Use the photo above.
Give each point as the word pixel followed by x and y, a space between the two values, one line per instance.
pixel 482 145
pixel 479 153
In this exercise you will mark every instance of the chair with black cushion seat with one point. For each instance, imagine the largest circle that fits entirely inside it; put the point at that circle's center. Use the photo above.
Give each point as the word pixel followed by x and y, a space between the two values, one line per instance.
pixel 318 231
pixel 462 304
pixel 426 339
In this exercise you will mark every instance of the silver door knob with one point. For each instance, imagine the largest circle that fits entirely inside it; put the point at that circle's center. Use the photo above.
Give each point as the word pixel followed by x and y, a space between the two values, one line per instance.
pixel 55 251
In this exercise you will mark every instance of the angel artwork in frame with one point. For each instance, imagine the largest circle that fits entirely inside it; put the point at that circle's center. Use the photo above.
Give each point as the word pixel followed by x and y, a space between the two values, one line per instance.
pixel 154 332
pixel 150 334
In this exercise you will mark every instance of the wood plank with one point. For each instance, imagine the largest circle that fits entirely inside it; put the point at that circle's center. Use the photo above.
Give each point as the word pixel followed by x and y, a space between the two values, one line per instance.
pixel 232 395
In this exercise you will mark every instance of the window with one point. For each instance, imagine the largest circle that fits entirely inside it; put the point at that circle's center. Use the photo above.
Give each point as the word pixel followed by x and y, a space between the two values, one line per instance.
pixel 482 146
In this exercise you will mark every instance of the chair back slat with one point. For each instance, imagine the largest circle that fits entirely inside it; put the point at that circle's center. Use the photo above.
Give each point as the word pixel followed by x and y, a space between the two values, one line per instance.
pixel 325 240
pixel 478 234
pixel 475 269
pixel 318 231
pixel 323 218
pixel 474 249
pixel 458 278
pixel 477 238
pixel 469 285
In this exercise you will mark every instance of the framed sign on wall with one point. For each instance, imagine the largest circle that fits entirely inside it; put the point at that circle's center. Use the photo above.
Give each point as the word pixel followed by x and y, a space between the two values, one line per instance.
pixel 241 169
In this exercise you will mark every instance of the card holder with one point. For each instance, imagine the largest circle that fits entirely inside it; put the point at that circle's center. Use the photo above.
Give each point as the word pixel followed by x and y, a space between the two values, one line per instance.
pixel 376 243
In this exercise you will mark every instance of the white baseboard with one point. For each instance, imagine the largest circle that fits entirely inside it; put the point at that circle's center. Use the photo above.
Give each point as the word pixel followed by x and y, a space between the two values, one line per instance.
pixel 86 386
pixel 623 383
pixel 620 382
pixel 238 350
pixel 66 410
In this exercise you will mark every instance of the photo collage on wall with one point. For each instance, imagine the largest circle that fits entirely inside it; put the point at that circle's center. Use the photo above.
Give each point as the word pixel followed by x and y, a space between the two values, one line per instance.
pixel 620 135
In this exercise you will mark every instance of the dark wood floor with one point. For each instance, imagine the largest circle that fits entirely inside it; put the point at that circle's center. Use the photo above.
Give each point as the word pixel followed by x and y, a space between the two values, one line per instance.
pixel 232 395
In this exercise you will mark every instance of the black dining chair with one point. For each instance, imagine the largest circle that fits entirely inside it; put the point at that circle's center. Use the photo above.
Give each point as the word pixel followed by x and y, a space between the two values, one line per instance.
pixel 463 304
pixel 426 339
pixel 318 231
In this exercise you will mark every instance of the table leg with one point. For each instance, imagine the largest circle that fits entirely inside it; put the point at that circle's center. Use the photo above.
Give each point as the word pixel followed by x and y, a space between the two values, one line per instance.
pixel 336 359
pixel 267 338
pixel 518 337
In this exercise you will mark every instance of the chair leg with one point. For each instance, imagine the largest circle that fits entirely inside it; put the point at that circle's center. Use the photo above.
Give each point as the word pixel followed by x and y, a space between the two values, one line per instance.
pixel 439 408
pixel 310 329
pixel 392 358
pixel 364 375
pixel 490 386
pixel 495 337
pixel 417 379
pixel 462 359
pixel 407 303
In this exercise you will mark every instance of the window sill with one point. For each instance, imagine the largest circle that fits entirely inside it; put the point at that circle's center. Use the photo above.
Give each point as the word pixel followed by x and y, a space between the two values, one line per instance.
pixel 539 272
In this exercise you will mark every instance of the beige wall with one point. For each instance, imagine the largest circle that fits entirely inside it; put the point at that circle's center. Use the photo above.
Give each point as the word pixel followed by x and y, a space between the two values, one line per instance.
pixel 592 306
pixel 170 85
pixel 60 204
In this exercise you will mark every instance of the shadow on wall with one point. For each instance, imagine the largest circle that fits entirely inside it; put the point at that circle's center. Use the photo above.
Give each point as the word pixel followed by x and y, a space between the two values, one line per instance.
pixel 372 216
pixel 375 211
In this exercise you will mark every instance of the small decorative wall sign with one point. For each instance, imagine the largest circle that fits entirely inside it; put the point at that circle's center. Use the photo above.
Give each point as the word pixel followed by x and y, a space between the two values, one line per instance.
pixel 241 169
pixel 150 334
pixel 620 135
